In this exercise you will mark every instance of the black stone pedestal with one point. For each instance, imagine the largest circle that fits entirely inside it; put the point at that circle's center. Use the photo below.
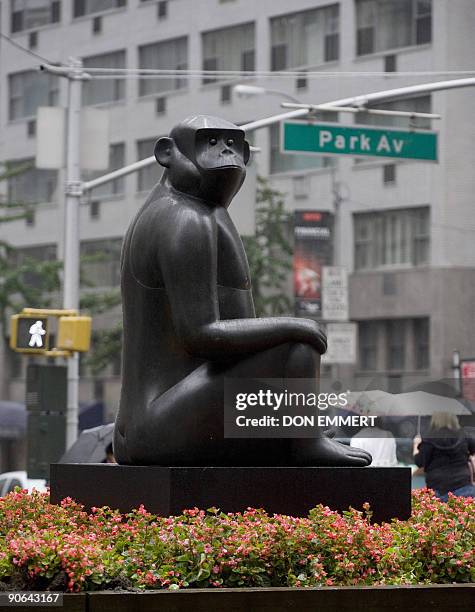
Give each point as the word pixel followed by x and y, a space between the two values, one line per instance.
pixel 294 491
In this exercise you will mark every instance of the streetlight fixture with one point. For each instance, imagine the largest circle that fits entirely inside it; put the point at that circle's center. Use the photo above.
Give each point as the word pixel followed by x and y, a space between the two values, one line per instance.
pixel 254 90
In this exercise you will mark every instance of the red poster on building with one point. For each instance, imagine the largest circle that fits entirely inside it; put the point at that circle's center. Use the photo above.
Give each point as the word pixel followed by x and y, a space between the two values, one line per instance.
pixel 313 249
pixel 467 375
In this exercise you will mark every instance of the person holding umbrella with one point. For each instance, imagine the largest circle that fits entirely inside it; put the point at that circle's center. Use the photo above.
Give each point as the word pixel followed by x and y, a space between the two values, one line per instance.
pixel 444 455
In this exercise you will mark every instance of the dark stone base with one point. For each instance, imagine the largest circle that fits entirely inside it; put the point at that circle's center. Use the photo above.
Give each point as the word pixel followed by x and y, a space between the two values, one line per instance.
pixel 294 491
pixel 413 598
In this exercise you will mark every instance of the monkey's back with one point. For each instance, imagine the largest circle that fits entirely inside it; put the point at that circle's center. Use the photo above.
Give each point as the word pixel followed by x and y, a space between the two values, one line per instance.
pixel 153 359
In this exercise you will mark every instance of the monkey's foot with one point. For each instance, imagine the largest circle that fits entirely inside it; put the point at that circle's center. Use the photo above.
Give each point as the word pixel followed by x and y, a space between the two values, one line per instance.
pixel 323 451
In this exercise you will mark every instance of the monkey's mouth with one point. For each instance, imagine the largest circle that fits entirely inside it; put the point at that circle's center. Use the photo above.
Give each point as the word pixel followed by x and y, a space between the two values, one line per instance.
pixel 227 166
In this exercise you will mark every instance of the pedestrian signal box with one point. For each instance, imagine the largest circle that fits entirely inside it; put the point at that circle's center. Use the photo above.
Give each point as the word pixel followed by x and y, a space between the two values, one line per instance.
pixel 29 333
pixel 74 333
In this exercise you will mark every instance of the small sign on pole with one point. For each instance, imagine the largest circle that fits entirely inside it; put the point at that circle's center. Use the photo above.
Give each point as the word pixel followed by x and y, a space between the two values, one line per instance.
pixel 50 137
pixel 94 139
pixel 334 293
pixel 341 343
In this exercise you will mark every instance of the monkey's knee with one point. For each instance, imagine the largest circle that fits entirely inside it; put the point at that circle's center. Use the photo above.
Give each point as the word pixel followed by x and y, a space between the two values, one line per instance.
pixel 303 361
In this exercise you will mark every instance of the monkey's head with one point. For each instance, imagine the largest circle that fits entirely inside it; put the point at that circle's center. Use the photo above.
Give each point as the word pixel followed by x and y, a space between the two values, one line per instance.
pixel 205 157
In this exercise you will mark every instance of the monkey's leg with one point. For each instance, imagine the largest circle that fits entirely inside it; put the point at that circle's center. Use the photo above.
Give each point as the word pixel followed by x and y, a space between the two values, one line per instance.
pixel 184 426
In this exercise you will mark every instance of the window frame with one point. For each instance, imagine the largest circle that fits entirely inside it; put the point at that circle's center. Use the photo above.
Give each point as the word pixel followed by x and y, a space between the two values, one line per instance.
pixel 215 59
pixel 392 238
pixel 115 189
pixel 52 93
pixel 119 85
pixel 180 84
pixel 375 27
pixel 274 23
pixel 50 178
pixel 120 5
pixel 53 19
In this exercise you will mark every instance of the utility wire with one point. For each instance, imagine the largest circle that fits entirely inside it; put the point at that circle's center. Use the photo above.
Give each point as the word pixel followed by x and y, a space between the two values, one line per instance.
pixel 25 50
pixel 164 73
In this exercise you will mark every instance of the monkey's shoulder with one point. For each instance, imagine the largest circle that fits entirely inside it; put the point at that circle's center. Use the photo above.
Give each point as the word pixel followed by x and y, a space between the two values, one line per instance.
pixel 169 215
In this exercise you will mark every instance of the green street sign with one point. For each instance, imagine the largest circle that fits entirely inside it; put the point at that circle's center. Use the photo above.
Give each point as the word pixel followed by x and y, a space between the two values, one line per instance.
pixel 335 139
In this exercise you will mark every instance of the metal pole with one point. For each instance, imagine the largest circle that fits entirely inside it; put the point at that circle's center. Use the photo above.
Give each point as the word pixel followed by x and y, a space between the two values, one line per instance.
pixel 73 194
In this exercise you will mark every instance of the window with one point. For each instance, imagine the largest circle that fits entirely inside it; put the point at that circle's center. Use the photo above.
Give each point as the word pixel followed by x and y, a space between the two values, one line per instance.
pixel 29 90
pixel 230 49
pixel 167 55
pixel 160 106
pixel 368 344
pixel 392 238
pixel 421 343
pixel 285 162
pixel 112 188
pixel 33 40
pixel 26 15
pixel 147 177
pixel 390 63
pixel 421 232
pixel 87 7
pixel 97 25
pixel 389 24
pixel 104 90
pixel 385 345
pixel 226 94
pixel 103 267
pixel 32 185
pixel 395 344
pixel 308 38
pixel 162 9
pixel 389 174
pixel 95 209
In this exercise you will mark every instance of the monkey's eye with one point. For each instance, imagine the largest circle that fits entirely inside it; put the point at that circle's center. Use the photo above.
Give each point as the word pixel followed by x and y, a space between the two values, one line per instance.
pixel 230 142
pixel 212 141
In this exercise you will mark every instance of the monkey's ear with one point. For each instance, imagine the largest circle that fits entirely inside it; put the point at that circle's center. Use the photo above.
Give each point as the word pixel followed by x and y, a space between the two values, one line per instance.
pixel 247 152
pixel 163 151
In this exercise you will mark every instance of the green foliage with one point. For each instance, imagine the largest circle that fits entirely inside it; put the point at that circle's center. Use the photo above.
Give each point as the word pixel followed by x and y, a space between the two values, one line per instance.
pixel 61 547
pixel 269 252
pixel 106 342
pixel 106 345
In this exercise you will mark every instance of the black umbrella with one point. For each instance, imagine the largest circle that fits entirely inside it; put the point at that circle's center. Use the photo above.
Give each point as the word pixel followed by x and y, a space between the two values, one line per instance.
pixel 90 447
pixel 12 420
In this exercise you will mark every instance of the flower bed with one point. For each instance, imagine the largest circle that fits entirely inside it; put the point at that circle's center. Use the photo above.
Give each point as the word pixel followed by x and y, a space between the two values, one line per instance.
pixel 45 546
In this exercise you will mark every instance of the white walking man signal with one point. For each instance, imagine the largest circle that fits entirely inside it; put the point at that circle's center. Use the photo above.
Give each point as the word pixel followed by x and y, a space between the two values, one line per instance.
pixel 37 331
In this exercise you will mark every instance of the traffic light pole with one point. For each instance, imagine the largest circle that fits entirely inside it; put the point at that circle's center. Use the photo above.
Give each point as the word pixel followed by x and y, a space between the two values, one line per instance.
pixel 73 191
pixel 71 235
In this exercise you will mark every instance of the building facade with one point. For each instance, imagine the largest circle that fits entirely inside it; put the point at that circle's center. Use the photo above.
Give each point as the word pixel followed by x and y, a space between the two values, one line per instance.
pixel 406 228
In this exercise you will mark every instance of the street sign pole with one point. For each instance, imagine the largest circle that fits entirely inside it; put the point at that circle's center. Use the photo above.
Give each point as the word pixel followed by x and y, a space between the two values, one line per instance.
pixel 71 235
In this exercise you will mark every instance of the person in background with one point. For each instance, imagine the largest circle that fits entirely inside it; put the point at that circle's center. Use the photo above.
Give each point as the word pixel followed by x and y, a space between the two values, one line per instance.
pixel 379 442
pixel 444 454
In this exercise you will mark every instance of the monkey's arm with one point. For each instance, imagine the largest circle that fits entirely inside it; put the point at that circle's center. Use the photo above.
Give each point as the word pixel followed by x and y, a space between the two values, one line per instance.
pixel 188 264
